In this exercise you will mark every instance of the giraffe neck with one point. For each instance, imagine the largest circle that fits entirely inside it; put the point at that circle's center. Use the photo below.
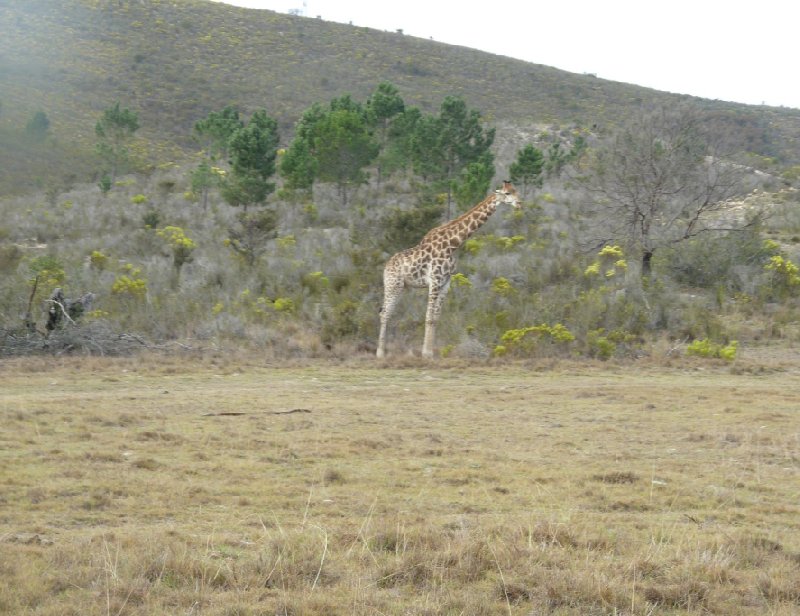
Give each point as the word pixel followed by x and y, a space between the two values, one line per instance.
pixel 458 230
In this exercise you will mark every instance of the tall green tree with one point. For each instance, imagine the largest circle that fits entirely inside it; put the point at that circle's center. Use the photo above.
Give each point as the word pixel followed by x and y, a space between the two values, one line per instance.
pixel 473 182
pixel 332 145
pixel 444 145
pixel 252 150
pixel 384 106
pixel 214 132
pixel 298 164
pixel 346 103
pixel 558 157
pixel 526 171
pixel 114 132
pixel 398 151
pixel 202 180
pixel 343 147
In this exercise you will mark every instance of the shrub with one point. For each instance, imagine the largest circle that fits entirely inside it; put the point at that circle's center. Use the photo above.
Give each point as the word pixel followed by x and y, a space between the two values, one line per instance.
pixel 785 276
pixel 98 261
pixel 600 346
pixel 340 322
pixel 406 227
pixel 10 256
pixel 507 243
pixel 284 304
pixel 287 242
pixel 609 263
pixel 706 348
pixel 130 284
pixel 459 280
pixel 104 184
pixel 712 261
pixel 248 239
pixel 526 340
pixel 315 282
pixel 503 287
pixel 473 246
pixel 181 245
pixel 151 219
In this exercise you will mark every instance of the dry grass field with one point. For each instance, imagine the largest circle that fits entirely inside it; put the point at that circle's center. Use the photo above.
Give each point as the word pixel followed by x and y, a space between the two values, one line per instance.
pixel 216 486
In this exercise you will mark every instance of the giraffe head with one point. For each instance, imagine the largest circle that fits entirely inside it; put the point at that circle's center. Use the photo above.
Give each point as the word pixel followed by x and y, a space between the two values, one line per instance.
pixel 507 195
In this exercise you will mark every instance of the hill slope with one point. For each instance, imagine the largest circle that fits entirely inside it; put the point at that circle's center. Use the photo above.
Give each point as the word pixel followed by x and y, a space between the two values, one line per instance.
pixel 174 61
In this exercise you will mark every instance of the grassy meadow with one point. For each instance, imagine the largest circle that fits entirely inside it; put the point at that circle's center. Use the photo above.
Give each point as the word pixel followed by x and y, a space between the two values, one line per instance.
pixel 227 486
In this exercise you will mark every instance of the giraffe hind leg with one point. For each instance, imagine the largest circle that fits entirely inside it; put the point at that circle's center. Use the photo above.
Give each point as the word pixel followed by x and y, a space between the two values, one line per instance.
pixel 392 287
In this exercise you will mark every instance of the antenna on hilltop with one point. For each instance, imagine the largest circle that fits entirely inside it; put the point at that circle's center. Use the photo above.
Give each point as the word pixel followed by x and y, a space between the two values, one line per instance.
pixel 301 11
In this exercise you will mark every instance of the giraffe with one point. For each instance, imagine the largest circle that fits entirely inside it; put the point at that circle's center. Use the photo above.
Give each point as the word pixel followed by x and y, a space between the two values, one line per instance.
pixel 431 263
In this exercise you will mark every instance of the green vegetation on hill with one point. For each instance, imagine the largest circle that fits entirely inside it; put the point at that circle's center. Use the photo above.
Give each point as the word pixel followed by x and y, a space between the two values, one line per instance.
pixel 259 205
pixel 175 61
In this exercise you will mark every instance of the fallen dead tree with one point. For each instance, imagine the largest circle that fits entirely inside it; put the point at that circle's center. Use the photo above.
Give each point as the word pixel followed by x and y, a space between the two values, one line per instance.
pixel 66 332
pixel 89 338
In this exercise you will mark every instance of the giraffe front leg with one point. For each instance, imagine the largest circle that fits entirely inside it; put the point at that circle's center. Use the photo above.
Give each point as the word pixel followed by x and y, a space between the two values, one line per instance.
pixel 436 297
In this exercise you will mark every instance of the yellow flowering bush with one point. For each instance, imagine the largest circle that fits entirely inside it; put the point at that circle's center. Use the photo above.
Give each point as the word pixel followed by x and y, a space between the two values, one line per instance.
pixel 130 284
pixel 473 245
pixel 98 261
pixel 502 287
pixel 507 243
pixel 706 348
pixel 524 341
pixel 610 260
pixel 283 304
pixel 786 274
pixel 459 280
pixel 181 245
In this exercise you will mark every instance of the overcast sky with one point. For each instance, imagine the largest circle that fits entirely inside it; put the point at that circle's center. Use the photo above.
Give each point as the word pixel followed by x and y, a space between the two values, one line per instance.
pixel 742 52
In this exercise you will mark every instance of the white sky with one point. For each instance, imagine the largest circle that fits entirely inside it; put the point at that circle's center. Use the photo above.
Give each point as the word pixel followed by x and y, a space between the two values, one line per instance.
pixel 727 50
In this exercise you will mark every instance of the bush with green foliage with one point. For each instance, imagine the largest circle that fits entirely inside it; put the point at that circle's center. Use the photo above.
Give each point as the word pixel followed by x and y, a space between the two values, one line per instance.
pixel 404 228
pixel 784 276
pixel 248 237
pixel 708 349
pixel 38 126
pixel 130 284
pixel 179 244
pixel 526 341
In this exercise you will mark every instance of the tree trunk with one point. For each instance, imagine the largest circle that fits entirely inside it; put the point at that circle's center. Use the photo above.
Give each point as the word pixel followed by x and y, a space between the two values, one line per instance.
pixel 634 290
pixel 647 257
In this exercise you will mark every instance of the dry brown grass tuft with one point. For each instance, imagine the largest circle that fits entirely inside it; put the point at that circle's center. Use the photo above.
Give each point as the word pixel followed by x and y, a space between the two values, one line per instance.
pixel 172 486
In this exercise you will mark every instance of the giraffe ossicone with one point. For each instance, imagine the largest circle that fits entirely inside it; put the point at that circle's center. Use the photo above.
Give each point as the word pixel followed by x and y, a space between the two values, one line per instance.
pixel 431 263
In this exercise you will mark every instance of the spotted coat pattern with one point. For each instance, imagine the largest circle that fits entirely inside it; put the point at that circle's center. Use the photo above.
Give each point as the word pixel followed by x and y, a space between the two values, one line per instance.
pixel 431 263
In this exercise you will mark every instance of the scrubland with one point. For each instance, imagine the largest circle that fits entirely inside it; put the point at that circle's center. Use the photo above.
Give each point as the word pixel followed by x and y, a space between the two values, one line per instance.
pixel 226 484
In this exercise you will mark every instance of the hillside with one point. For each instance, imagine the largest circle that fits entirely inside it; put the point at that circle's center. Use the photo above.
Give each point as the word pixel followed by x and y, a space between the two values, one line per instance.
pixel 174 61
pixel 302 277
